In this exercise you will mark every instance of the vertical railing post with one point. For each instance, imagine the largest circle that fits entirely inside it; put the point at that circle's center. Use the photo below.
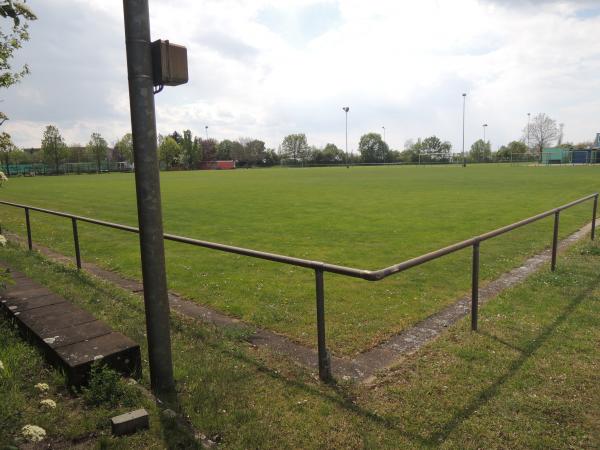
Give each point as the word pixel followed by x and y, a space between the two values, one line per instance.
pixel 28 223
pixel 594 212
pixel 555 240
pixel 475 287
pixel 324 361
pixel 76 242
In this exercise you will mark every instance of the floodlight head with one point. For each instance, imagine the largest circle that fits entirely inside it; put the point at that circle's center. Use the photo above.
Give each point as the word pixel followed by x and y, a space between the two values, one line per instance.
pixel 346 108
pixel 464 94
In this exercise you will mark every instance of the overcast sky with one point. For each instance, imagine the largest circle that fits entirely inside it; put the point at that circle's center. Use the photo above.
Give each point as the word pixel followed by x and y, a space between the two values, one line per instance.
pixel 267 68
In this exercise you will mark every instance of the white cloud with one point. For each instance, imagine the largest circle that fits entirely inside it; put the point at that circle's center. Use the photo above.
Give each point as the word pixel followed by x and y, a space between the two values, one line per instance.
pixel 266 68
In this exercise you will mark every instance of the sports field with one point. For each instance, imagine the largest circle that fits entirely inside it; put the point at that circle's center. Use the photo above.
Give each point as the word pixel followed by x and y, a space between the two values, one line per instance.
pixel 365 217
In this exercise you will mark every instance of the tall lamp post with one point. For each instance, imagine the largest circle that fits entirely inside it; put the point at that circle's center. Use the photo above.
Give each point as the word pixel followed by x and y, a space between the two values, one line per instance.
pixel 463 130
pixel 484 127
pixel 147 183
pixel 206 129
pixel 383 134
pixel 528 127
pixel 346 109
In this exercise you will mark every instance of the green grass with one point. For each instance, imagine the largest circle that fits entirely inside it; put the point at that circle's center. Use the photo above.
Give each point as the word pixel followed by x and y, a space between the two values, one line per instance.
pixel 367 217
pixel 528 379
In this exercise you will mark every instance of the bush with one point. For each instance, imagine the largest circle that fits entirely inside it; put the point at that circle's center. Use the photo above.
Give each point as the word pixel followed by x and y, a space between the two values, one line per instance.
pixel 107 388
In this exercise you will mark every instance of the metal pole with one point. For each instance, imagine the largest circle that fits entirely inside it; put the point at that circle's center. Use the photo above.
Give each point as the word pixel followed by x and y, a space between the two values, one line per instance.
pixel 346 109
pixel 475 287
pixel 143 127
pixel 463 131
pixel 555 240
pixel 324 361
pixel 28 223
pixel 76 242
pixel 594 212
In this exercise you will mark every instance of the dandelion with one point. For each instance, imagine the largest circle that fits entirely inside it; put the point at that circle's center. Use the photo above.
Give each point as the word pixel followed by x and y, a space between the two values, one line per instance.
pixel 33 433
pixel 48 403
pixel 42 387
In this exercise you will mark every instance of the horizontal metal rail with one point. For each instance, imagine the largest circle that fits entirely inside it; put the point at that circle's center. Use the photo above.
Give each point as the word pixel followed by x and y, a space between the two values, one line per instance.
pixel 370 275
pixel 324 360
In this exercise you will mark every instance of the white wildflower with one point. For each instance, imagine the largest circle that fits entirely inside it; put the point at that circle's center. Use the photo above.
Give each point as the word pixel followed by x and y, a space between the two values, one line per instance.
pixel 3 177
pixel 2 241
pixel 33 433
pixel 1 365
pixel 48 403
pixel 42 387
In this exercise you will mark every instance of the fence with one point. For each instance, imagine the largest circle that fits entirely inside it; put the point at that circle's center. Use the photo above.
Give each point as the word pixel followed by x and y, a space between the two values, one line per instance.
pixel 321 267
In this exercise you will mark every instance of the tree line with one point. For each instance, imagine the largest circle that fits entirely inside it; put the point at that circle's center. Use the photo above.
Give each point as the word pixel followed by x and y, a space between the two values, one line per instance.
pixel 186 151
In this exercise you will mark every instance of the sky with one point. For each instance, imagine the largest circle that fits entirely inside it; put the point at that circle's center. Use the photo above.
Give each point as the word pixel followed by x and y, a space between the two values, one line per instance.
pixel 267 68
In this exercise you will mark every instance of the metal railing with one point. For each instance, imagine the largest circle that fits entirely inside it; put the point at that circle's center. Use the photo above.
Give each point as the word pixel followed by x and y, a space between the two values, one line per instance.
pixel 324 360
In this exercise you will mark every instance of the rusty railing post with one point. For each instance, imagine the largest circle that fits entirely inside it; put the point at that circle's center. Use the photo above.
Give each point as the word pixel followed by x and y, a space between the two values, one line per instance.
pixel 324 360
pixel 475 287
pixel 555 240
pixel 594 212
pixel 76 242
pixel 28 223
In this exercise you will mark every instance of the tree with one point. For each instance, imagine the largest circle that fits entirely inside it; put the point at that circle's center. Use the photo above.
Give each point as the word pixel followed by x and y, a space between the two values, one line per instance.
pixel 169 151
pixel 209 149
pixel 6 148
pixel 97 148
pixel 480 151
pixel 372 148
pixel 225 150
pixel 254 151
pixel 542 132
pixel 514 148
pixel 294 147
pixel 332 154
pixel 12 40
pixel 190 153
pixel 124 148
pixel 54 149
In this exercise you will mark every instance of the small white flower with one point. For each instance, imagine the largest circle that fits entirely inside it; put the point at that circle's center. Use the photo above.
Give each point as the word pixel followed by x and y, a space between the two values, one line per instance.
pixel 2 241
pixel 1 365
pixel 42 387
pixel 3 177
pixel 48 403
pixel 33 433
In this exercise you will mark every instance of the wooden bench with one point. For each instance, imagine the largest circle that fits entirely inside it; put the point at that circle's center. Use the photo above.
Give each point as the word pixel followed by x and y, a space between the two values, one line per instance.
pixel 69 337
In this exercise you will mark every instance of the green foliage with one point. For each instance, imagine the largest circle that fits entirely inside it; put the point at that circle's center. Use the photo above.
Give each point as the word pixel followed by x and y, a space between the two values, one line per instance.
pixel 13 40
pixel 54 149
pixel 373 149
pixel 480 151
pixel 294 147
pixel 97 148
pixel 513 148
pixel 106 388
pixel 431 149
pixel 169 151
pixel 124 148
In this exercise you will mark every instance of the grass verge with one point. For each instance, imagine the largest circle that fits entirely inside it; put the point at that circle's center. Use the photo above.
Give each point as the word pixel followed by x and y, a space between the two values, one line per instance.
pixel 528 379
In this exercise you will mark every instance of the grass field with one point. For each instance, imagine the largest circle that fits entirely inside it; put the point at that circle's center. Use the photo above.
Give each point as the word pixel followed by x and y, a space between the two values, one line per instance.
pixel 367 217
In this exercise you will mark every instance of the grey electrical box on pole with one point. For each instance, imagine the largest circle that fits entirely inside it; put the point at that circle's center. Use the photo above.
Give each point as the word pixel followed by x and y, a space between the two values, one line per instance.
pixel 143 128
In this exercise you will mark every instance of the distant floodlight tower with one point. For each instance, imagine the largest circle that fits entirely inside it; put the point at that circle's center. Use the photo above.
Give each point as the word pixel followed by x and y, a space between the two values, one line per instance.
pixel 346 109
pixel 528 120
pixel 383 134
pixel 484 127
pixel 463 130
pixel 206 129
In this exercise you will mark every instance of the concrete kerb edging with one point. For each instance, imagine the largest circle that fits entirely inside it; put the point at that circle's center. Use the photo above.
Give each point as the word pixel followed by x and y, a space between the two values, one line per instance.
pixel 365 365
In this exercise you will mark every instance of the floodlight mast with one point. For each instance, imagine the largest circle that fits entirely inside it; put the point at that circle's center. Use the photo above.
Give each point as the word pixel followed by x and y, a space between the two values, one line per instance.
pixel 463 130
pixel 143 128
pixel 346 109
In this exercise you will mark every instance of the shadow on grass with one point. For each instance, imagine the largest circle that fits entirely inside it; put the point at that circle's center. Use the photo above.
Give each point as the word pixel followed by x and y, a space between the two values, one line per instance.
pixel 534 344
pixel 178 433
